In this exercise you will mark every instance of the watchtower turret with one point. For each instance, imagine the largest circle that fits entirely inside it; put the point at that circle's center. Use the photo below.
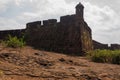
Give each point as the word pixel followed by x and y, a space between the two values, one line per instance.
pixel 80 11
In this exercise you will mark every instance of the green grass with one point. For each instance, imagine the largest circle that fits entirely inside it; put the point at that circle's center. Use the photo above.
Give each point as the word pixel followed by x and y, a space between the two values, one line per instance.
pixel 105 56
pixel 14 42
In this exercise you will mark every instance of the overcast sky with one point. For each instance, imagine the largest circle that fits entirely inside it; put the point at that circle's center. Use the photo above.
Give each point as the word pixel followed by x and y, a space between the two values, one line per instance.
pixel 102 16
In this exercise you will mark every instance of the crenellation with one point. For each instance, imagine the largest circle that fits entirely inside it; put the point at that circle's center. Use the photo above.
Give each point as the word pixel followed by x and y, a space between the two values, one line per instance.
pixel 49 22
pixel 52 21
pixel 68 19
pixel 33 25
pixel 45 22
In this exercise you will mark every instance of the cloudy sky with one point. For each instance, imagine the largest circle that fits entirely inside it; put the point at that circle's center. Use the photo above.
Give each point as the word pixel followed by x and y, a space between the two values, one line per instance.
pixel 102 16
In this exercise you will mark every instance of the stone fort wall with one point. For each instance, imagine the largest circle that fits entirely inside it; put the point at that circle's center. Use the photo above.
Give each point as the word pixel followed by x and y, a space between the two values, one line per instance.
pixel 98 45
pixel 4 34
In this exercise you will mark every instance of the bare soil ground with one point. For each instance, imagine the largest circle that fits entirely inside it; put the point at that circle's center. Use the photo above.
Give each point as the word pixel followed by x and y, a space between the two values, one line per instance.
pixel 30 64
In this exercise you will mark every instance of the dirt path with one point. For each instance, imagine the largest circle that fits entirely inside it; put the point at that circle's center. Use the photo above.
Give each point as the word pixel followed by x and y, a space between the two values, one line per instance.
pixel 31 64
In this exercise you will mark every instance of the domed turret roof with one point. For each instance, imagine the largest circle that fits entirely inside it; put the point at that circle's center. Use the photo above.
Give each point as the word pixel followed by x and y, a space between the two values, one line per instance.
pixel 79 5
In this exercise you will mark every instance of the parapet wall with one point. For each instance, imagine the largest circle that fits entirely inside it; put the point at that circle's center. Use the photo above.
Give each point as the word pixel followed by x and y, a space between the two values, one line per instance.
pixel 64 20
pixel 115 46
pixel 5 33
pixel 68 19
pixel 49 22
pixel 98 45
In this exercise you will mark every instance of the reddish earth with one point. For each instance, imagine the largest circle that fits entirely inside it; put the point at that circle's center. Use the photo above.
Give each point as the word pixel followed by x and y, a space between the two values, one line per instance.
pixel 30 64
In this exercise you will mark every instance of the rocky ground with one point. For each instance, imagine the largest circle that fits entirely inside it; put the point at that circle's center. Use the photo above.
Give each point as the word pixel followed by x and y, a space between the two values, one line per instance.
pixel 30 64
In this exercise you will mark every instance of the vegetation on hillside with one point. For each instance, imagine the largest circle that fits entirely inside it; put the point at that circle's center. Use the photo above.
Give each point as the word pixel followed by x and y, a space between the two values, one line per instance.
pixel 105 56
pixel 14 42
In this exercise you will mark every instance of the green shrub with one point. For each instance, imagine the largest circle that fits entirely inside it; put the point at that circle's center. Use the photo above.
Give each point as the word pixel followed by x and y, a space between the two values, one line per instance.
pixel 105 56
pixel 15 42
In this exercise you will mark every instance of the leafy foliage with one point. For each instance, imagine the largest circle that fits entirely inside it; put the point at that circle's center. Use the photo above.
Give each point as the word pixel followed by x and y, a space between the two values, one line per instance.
pixel 105 56
pixel 15 42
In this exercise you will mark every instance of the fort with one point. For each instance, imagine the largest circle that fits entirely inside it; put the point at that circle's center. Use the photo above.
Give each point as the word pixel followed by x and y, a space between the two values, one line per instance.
pixel 71 35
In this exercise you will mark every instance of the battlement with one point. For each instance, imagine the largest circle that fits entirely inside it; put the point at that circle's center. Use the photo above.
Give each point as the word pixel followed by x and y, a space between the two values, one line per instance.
pixel 49 22
pixel 64 20
pixel 68 19
pixel 33 25
pixel 37 24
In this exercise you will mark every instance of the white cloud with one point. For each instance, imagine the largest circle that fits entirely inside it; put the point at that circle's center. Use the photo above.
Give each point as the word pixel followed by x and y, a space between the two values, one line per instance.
pixel 17 2
pixel 102 20
pixel 6 23
pixel 3 5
